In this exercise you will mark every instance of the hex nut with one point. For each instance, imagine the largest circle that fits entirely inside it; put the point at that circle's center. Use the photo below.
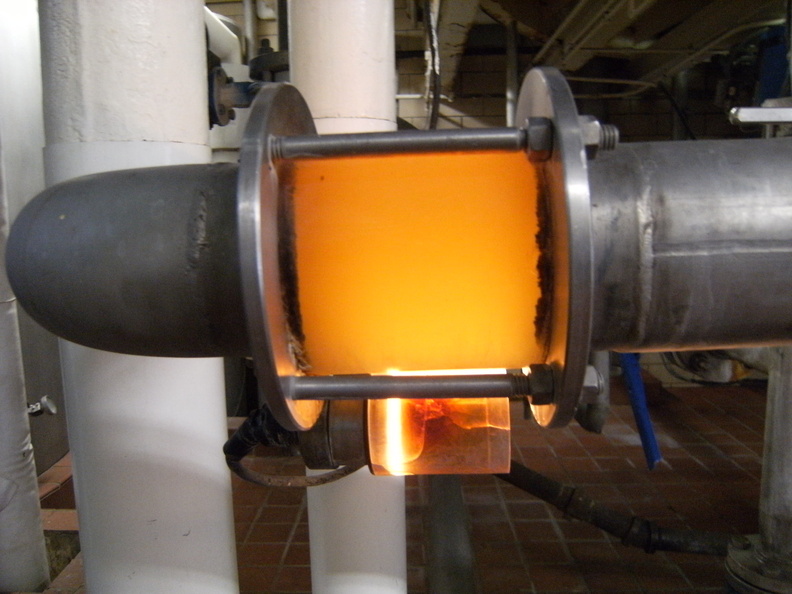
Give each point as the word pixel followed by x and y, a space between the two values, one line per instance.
pixel 541 382
pixel 540 138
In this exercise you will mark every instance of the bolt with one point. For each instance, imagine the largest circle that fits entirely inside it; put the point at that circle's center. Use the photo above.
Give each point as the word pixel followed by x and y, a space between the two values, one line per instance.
pixel 597 136
pixel 521 384
pixel 609 137
pixel 275 148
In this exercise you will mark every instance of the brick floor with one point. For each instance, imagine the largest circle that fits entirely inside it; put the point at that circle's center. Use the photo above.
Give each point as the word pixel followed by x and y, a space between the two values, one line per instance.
pixel 711 439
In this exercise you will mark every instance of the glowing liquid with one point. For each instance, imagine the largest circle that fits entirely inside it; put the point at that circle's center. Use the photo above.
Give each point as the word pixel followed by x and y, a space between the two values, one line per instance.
pixel 440 436
pixel 417 261
pixel 421 262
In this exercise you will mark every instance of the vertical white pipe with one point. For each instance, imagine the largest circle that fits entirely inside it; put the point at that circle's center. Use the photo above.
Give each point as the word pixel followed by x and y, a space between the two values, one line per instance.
pixel 125 86
pixel 223 43
pixel 343 62
pixel 23 557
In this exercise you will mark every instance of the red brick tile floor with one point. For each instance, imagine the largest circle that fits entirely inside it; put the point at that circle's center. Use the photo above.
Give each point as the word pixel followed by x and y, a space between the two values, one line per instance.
pixel 711 439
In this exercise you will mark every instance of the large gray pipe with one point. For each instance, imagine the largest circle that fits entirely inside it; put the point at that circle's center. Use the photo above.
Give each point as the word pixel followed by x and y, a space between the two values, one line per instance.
pixel 692 244
pixel 142 261
pixel 692 248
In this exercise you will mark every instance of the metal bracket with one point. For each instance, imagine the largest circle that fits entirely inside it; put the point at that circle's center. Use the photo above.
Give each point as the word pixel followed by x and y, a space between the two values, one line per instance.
pixel 45 405
pixel 760 115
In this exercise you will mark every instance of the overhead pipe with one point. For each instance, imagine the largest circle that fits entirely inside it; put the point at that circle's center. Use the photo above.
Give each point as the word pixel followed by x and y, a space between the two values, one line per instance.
pixel 343 62
pixel 146 434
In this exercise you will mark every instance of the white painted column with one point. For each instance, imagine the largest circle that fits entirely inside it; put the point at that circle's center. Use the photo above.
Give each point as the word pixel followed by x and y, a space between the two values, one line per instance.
pixel 125 86
pixel 343 62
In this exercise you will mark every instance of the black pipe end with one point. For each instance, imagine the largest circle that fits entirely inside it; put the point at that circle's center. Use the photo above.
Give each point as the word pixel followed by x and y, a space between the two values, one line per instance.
pixel 142 261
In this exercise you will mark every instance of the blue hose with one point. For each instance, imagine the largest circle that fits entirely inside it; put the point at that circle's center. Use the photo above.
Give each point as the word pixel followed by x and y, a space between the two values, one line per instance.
pixel 635 387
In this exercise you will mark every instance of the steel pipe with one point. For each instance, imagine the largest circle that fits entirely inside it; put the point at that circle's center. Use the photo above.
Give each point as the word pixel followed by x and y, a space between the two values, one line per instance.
pixel 692 245
pixel 141 261
pixel 389 143
pixel 775 504
pixel 681 246
pixel 375 387
pixel 450 564
pixel 764 563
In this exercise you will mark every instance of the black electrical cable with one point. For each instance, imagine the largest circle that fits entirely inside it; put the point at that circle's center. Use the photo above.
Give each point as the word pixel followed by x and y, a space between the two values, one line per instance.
pixel 261 428
pixel 632 530
pixel 679 111
pixel 273 480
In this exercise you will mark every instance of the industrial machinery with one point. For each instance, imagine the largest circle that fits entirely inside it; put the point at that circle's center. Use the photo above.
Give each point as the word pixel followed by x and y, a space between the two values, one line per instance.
pixel 446 272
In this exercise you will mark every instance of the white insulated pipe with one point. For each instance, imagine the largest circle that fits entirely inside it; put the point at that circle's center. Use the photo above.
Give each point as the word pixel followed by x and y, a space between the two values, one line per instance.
pixel 23 556
pixel 342 59
pixel 125 87
pixel 343 62
pixel 223 43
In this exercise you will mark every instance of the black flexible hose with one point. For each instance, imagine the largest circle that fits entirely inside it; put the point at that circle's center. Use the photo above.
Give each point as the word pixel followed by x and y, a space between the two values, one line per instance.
pixel 262 428
pixel 632 530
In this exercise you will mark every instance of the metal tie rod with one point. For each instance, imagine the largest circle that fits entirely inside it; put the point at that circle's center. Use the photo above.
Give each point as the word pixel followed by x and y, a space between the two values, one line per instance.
pixel 407 141
pixel 377 387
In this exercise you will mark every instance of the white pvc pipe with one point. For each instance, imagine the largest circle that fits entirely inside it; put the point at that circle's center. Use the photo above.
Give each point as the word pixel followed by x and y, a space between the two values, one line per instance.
pixel 125 86
pixel 223 42
pixel 343 62
pixel 23 557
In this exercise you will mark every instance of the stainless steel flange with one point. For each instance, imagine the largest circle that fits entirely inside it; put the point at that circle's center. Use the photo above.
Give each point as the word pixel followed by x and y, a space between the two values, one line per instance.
pixel 280 111
pixel 565 240
pixel 264 235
